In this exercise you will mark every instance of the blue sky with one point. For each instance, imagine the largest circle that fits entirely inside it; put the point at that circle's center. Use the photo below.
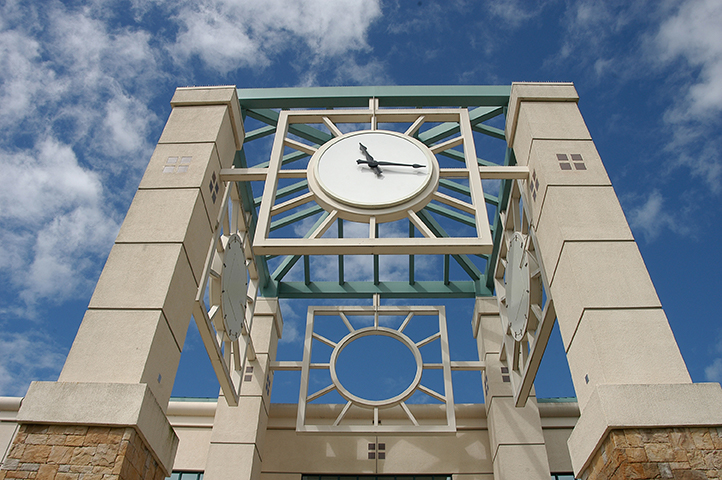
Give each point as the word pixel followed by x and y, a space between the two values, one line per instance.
pixel 85 89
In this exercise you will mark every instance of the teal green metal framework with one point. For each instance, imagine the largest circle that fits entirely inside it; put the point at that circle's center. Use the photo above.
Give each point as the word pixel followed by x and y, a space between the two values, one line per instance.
pixel 260 108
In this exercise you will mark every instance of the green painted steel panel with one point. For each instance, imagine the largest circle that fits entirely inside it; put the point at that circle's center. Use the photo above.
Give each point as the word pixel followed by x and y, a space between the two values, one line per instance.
pixel 389 96
pixel 454 289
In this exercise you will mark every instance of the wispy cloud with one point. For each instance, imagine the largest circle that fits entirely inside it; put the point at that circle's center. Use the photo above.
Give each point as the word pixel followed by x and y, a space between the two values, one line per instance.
pixel 27 357
pixel 650 217
pixel 229 34
pixel 80 87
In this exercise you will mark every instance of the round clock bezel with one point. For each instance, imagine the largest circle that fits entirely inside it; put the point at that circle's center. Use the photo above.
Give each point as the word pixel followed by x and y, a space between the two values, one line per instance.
pixel 363 210
pixel 518 287
pixel 234 283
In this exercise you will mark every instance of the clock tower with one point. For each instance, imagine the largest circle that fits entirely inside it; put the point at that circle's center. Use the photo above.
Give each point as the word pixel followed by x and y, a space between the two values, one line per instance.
pixel 258 202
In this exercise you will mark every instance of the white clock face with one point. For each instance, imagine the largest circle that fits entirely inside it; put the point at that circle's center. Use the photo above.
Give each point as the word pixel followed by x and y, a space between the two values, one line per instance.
pixel 234 284
pixel 517 287
pixel 343 171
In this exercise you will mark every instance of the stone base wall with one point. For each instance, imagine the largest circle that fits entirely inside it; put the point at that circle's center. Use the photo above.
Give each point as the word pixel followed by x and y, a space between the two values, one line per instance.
pixel 676 453
pixel 69 452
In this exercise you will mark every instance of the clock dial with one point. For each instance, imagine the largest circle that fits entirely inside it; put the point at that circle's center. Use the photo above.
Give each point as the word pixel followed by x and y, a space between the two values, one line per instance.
pixel 518 287
pixel 373 171
pixel 234 284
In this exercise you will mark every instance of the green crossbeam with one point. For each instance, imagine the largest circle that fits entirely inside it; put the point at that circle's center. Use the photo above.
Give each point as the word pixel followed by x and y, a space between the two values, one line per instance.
pixel 388 96
pixel 423 289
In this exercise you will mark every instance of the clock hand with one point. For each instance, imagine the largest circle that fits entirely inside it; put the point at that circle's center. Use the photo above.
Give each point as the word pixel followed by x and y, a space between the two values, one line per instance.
pixel 414 165
pixel 373 164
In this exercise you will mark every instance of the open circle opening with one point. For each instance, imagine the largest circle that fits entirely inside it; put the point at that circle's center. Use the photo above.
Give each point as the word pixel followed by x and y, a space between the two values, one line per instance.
pixel 376 367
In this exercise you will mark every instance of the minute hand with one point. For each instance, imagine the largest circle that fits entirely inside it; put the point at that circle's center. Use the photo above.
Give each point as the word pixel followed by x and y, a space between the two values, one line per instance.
pixel 381 162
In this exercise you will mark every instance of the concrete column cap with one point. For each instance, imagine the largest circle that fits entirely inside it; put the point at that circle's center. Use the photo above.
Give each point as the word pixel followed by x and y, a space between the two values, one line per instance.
pixel 484 306
pixel 214 95
pixel 642 406
pixel 103 404
pixel 535 92
pixel 271 307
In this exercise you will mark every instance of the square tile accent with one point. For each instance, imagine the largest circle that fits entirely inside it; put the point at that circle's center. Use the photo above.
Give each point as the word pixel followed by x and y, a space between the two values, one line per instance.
pixel 534 184
pixel 564 161
pixel 578 161
pixel 172 165
pixel 566 164
pixel 213 187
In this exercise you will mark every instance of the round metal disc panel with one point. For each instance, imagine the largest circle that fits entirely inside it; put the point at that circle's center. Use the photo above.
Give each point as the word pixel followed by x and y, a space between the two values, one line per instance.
pixel 234 283
pixel 517 287
pixel 388 332
pixel 357 185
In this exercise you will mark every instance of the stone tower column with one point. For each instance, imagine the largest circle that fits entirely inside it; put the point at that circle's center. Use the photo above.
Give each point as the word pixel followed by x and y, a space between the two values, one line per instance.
pixel 515 434
pixel 106 414
pixel 239 432
pixel 626 367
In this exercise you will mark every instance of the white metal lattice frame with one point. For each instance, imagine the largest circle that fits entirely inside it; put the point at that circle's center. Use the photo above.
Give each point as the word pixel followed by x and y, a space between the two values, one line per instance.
pixel 482 243
pixel 228 354
pixel 522 351
pixel 344 425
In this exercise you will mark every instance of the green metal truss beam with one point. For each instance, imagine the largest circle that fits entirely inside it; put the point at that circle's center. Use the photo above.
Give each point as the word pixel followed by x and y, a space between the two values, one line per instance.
pixel 295 217
pixel 439 231
pixel 285 191
pixel 306 132
pixel 260 133
pixel 455 215
pixel 290 260
pixel 389 96
pixel 464 190
pixel 461 289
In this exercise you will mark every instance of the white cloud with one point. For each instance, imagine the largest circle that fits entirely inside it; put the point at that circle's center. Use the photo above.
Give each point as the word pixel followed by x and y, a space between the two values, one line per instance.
pixel 78 87
pixel 713 372
pixel 228 34
pixel 693 34
pixel 514 12
pixel 27 357
pixel 651 217
pixel 54 224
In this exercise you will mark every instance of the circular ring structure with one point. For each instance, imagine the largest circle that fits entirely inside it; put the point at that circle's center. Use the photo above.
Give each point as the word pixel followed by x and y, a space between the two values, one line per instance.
pixel 381 331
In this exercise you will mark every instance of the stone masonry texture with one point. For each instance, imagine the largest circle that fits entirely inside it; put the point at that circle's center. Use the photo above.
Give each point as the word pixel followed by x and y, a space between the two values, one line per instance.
pixel 70 452
pixel 646 453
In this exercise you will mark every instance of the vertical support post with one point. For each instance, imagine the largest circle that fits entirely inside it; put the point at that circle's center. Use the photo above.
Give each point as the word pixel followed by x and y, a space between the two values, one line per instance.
pixel 515 434
pixel 239 432
pixel 626 367
pixel 114 388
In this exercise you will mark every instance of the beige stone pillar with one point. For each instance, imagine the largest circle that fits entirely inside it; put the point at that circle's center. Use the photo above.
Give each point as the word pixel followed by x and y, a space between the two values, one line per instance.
pixel 106 413
pixel 239 432
pixel 625 364
pixel 515 434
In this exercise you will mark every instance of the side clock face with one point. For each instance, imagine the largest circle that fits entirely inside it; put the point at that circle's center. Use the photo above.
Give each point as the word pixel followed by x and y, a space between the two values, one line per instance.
pixel 373 173
pixel 518 287
pixel 234 283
